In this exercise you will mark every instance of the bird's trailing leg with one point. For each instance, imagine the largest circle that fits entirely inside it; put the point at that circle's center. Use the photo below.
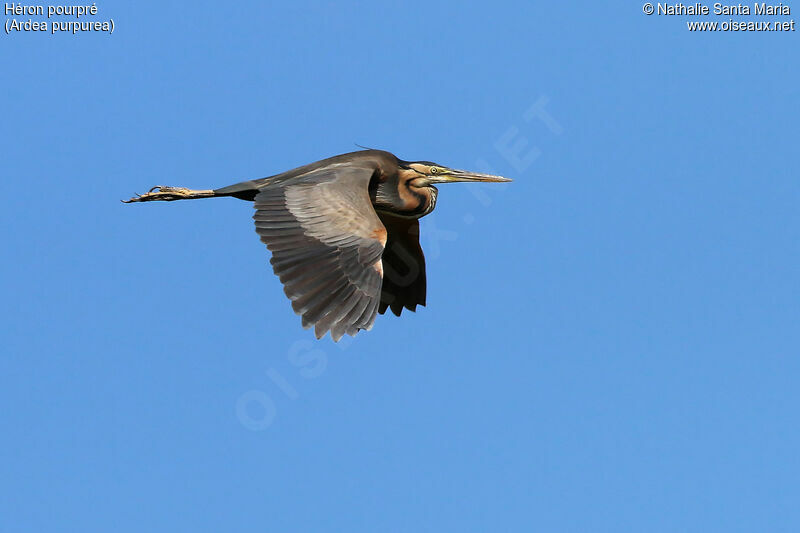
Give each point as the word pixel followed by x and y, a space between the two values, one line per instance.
pixel 169 194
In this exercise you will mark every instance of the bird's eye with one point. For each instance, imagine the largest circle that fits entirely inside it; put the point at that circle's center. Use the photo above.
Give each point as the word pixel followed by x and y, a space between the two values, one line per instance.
pixel 434 170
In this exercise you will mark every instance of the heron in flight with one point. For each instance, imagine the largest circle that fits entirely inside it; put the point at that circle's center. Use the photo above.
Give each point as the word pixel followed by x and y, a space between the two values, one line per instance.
pixel 343 232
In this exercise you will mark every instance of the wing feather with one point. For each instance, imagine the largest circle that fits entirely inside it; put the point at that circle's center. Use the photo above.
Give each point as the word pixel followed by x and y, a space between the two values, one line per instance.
pixel 404 283
pixel 326 242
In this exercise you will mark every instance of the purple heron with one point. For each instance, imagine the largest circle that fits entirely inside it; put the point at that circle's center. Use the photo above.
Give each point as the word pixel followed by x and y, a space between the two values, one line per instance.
pixel 343 232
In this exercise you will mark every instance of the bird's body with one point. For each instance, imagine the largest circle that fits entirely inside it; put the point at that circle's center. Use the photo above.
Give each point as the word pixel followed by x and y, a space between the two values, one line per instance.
pixel 385 190
pixel 343 232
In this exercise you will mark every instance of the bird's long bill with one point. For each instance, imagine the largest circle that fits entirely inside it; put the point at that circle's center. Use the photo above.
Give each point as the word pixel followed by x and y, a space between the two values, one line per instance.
pixel 453 176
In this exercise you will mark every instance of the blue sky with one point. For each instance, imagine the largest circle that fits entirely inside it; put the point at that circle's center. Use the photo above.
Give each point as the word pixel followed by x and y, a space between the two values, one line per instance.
pixel 610 342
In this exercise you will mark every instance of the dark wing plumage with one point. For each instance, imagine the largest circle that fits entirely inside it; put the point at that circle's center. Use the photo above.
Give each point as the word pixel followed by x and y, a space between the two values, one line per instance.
pixel 326 242
pixel 403 265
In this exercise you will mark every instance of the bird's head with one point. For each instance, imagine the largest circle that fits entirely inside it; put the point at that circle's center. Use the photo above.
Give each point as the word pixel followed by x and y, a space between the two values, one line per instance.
pixel 425 173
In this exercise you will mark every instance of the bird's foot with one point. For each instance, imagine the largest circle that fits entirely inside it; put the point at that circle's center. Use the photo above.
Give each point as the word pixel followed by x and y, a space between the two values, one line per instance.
pixel 168 194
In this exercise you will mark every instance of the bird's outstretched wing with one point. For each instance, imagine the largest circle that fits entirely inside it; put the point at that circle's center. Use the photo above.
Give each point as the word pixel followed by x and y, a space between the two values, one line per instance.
pixel 403 265
pixel 326 242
